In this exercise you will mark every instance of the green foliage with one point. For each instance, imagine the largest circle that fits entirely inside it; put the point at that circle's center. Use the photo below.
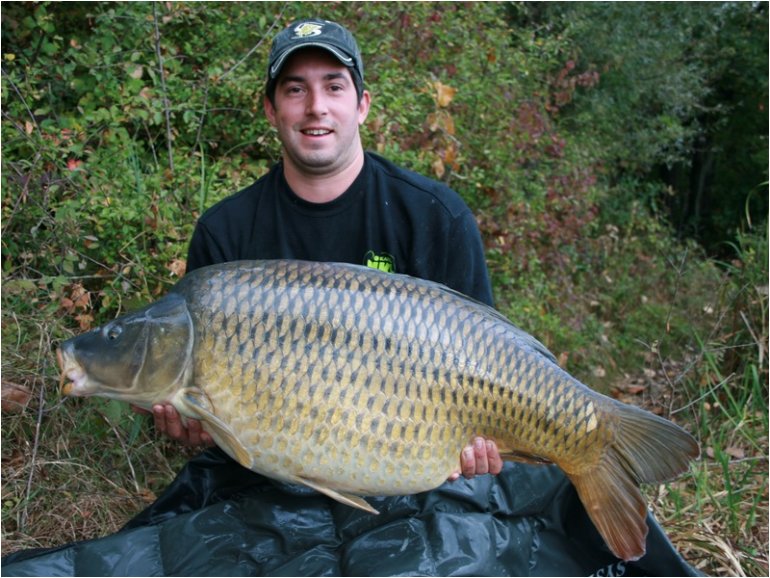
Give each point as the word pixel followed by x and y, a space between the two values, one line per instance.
pixel 680 98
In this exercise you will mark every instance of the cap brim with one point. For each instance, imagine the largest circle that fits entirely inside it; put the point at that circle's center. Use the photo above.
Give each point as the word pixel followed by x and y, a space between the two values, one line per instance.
pixel 275 67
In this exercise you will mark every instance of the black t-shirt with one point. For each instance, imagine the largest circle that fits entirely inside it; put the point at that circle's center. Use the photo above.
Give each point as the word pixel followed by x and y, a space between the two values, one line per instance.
pixel 389 218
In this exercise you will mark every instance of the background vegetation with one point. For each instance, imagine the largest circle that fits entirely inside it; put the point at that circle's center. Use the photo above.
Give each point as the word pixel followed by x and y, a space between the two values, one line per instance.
pixel 614 153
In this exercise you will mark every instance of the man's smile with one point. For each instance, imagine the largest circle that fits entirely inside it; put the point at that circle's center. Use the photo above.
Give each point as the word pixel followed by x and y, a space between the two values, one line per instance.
pixel 316 131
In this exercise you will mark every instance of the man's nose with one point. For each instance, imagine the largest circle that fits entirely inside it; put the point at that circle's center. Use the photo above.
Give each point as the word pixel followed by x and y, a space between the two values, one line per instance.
pixel 316 103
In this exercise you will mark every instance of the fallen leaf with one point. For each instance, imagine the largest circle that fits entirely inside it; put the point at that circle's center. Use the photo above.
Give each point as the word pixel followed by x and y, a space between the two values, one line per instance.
pixel 17 460
pixel 635 389
pixel 81 297
pixel 147 495
pixel 177 267
pixel 85 320
pixel 78 298
pixel 735 452
pixel 15 397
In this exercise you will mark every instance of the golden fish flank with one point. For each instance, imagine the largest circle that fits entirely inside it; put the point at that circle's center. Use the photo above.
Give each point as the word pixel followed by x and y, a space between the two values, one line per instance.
pixel 358 382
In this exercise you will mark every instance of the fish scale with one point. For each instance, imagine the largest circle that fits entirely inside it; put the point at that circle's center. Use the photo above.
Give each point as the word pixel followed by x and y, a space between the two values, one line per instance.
pixel 357 382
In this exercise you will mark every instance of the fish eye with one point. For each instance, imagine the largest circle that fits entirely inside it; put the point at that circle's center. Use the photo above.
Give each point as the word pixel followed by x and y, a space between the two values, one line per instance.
pixel 112 332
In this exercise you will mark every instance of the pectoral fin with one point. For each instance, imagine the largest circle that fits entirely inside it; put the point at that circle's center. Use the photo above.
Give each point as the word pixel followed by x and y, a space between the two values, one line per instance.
pixel 197 405
pixel 347 499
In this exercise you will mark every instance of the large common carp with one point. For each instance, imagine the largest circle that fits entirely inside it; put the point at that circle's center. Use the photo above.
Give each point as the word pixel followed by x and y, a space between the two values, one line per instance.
pixel 357 382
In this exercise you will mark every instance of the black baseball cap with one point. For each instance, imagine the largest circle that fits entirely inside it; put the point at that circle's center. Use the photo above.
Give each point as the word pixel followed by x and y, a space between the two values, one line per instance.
pixel 315 32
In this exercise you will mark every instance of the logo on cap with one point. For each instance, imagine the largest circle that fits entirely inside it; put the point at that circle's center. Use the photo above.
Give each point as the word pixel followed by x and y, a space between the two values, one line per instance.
pixel 307 29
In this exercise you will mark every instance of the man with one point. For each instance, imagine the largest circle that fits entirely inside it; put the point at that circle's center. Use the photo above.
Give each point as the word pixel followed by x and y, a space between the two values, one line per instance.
pixel 328 200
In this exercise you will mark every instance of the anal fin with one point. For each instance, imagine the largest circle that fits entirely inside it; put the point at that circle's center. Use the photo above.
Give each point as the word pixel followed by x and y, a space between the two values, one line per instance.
pixel 616 507
pixel 342 497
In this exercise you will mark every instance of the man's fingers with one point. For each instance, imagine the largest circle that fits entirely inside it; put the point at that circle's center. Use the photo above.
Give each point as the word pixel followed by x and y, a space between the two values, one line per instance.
pixel 159 417
pixel 480 453
pixel 468 462
pixel 174 427
pixel 494 459
pixel 196 435
pixel 169 422
pixel 481 457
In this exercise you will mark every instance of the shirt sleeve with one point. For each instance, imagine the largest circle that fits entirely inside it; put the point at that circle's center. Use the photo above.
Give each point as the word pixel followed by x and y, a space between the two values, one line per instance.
pixel 203 249
pixel 465 262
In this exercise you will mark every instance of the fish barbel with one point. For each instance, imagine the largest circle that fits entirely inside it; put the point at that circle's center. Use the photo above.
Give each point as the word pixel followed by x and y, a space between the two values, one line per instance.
pixel 360 383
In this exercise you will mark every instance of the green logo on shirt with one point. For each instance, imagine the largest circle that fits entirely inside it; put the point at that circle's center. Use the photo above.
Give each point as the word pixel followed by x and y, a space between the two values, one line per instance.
pixel 381 261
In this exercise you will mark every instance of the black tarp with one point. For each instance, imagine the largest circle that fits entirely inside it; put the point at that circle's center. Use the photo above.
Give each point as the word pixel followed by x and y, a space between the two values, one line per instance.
pixel 219 519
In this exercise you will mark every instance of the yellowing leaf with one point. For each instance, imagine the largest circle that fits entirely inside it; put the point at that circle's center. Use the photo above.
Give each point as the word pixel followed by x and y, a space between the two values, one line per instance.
pixel 438 168
pixel 449 124
pixel 450 156
pixel 177 267
pixel 444 94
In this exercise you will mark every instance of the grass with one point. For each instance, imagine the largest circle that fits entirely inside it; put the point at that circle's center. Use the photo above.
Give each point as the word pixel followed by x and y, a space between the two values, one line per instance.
pixel 717 514
pixel 71 469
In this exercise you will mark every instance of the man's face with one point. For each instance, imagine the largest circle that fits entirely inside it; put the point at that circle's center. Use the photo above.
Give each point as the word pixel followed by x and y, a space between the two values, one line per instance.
pixel 317 112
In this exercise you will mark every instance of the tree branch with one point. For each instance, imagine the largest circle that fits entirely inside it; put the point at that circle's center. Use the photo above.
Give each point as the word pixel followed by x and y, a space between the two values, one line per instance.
pixel 258 44
pixel 166 104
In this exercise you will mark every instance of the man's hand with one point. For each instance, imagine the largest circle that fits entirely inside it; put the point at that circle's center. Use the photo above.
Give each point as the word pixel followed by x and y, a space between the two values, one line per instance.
pixel 168 422
pixel 482 457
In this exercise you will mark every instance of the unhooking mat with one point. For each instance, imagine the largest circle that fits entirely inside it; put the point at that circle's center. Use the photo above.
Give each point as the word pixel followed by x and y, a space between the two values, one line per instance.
pixel 219 519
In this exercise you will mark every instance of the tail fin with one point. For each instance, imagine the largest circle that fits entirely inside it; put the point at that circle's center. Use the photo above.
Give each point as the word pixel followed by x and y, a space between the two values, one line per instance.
pixel 646 448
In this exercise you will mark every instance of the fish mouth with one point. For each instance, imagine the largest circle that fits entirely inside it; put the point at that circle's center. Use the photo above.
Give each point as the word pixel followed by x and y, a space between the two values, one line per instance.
pixel 70 369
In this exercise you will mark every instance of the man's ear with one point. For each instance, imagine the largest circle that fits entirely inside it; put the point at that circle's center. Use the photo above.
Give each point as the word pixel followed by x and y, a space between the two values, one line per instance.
pixel 363 107
pixel 269 110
